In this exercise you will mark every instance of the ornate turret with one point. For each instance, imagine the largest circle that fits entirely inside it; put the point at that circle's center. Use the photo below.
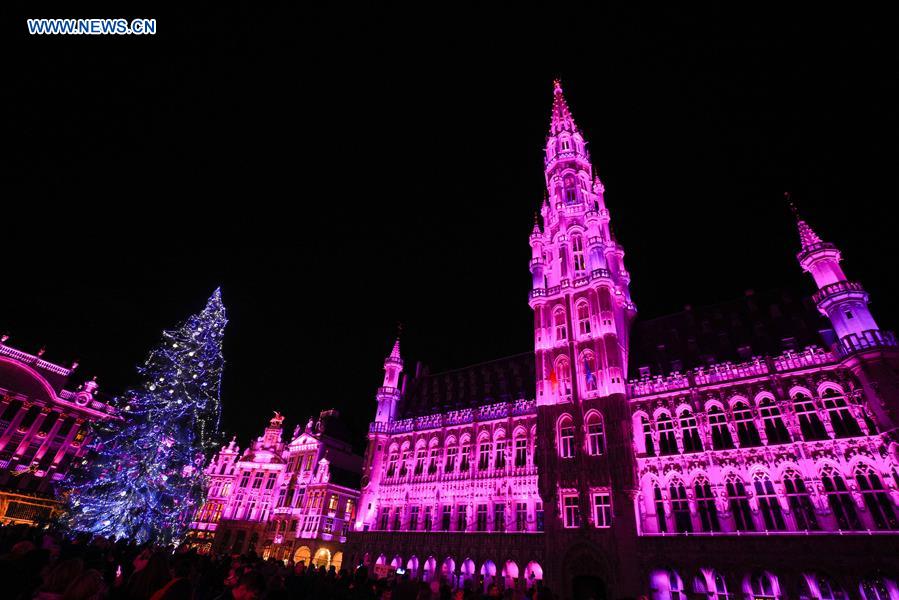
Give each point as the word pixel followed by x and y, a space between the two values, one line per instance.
pixel 388 394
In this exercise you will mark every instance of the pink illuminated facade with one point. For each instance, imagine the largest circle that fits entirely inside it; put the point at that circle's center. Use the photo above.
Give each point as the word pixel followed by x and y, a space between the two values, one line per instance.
pixel 43 427
pixel 286 500
pixel 751 453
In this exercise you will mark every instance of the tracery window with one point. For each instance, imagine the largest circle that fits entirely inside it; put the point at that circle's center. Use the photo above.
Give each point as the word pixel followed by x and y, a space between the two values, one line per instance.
pixel 660 509
pixel 769 505
pixel 705 505
pixel 762 587
pixel 583 316
pixel 841 419
pixel 721 438
pixel 738 501
pixel 521 452
pixel 876 498
pixel 420 461
pixel 690 432
pixel 577 255
pixel 809 422
pixel 775 430
pixel 667 441
pixel 680 507
pixel 561 327
pixel 647 436
pixel 566 437
pixel 484 456
pixel 595 435
pixel 451 459
pixel 746 429
pixel 500 459
pixel 799 502
pixel 840 500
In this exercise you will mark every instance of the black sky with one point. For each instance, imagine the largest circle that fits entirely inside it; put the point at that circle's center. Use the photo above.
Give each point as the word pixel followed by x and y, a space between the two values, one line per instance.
pixel 339 173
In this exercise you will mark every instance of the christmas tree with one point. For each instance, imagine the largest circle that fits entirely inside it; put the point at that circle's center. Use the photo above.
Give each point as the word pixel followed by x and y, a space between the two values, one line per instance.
pixel 142 477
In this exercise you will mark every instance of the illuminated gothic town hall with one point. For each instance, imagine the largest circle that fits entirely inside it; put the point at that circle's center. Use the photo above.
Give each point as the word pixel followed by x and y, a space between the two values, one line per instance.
pixel 750 454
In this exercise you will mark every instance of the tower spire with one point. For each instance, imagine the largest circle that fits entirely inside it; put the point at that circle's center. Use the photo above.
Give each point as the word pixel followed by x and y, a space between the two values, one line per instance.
pixel 562 120
pixel 807 236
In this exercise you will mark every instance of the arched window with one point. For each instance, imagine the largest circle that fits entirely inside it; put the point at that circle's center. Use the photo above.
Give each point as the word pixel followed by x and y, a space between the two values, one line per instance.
pixel 484 455
pixel 769 505
pixel 809 422
pixel 667 441
pixel 878 501
pixel 721 438
pixel 705 505
pixel 820 587
pixel 690 432
pixel 421 455
pixel 840 500
pixel 841 419
pixel 464 454
pixel 569 182
pixel 660 509
pixel 667 585
pixel 775 430
pixel 738 501
pixel 746 430
pixel 566 437
pixel 647 436
pixel 680 507
pixel 561 327
pixel 712 585
pixel 577 257
pixel 521 450
pixel 799 502
pixel 596 442
pixel 391 464
pixel 762 586
pixel 563 374
pixel 583 315
pixel 590 375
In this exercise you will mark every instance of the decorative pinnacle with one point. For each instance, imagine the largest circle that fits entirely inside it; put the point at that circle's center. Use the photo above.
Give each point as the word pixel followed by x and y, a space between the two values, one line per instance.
pixel 807 235
pixel 561 115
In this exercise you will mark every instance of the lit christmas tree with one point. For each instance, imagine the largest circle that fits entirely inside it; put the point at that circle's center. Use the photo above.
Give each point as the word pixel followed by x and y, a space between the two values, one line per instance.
pixel 143 477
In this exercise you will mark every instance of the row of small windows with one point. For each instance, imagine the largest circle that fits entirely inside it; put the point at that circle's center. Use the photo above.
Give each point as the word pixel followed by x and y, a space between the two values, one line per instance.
pixel 875 497
pixel 745 424
pixel 667 584
pixel 594 442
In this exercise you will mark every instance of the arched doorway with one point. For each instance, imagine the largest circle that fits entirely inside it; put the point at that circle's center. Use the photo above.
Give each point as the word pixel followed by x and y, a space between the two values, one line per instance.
pixel 467 571
pixel 412 567
pixel 533 573
pixel 510 574
pixel 430 568
pixel 302 555
pixel 322 558
pixel 337 561
pixel 488 572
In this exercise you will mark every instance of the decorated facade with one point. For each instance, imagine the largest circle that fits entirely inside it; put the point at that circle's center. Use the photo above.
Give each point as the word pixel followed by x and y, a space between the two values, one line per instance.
pixel 44 426
pixel 740 450
pixel 292 501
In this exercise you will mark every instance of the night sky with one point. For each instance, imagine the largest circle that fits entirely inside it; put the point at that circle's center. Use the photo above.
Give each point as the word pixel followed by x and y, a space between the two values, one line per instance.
pixel 339 173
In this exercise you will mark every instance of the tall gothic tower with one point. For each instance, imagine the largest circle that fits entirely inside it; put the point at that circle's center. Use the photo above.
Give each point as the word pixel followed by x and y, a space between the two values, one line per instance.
pixel 582 316
pixel 868 351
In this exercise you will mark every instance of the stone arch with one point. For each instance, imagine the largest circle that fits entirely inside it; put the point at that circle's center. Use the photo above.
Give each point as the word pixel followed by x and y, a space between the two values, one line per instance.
pixel 303 554
pixel 322 558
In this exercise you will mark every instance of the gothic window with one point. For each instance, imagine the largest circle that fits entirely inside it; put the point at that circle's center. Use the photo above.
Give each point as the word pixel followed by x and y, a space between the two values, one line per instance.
pixel 484 456
pixel 840 500
pixel 602 509
pixel 660 509
pixel 667 441
pixel 462 518
pixel 566 437
pixel 705 505
pixel 428 524
pixel 521 452
pixel 538 516
pixel 690 432
pixel 561 327
pixel 841 419
pixel 499 517
pixel 432 460
pixel 583 315
pixel 580 266
pixel 595 435
pixel 521 516
pixel 775 430
pixel 563 373
pixel 591 382
pixel 481 518
pixel 721 438
pixel 451 459
pixel 647 437
pixel 799 501
pixel 500 459
pixel 738 502
pixel 569 183
pixel 877 500
pixel 571 511
pixel 746 430
pixel 420 461
pixel 680 507
pixel 446 518
pixel 385 517
pixel 769 505
pixel 404 462
pixel 397 519
pixel 762 586
pixel 809 422
pixel 717 589
pixel 465 456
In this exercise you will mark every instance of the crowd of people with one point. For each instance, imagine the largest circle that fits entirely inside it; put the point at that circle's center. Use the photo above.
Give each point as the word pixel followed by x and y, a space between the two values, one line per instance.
pixel 41 564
